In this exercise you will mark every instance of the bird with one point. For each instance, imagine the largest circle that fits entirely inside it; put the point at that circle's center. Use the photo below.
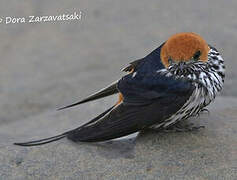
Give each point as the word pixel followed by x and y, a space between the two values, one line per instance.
pixel 174 82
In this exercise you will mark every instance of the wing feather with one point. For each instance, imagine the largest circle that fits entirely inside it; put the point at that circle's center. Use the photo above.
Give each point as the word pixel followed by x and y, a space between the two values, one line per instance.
pixel 107 91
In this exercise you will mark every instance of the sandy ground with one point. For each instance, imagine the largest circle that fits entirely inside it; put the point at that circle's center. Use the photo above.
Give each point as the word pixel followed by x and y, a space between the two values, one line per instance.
pixel 44 66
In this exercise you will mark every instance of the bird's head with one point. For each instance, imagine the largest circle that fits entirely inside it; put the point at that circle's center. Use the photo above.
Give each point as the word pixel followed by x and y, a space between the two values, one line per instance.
pixel 184 49
pixel 188 56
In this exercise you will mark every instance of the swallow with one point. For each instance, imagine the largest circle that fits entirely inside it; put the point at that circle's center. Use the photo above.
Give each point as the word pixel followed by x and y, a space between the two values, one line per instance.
pixel 175 81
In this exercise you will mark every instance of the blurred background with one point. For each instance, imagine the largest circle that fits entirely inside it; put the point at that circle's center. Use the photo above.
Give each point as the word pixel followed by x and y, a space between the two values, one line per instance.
pixel 47 65
pixel 44 66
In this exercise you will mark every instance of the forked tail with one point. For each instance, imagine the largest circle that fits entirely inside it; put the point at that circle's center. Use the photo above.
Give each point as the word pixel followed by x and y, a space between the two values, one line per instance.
pixel 43 141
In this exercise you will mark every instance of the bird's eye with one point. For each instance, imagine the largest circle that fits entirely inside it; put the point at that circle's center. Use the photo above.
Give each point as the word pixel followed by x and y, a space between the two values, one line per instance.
pixel 170 60
pixel 197 55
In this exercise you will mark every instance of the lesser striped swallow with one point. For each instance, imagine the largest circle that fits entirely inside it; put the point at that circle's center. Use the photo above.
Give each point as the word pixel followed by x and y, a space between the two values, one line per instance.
pixel 175 81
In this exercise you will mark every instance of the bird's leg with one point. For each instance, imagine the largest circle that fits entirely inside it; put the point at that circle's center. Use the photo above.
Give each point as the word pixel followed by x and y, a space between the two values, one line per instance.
pixel 203 110
pixel 181 127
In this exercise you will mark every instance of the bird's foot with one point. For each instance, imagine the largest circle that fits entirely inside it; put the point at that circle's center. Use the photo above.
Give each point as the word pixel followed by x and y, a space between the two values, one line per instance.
pixel 179 127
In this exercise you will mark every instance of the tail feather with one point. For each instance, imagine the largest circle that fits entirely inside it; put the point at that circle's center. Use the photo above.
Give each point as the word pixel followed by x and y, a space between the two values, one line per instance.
pixel 42 141
pixel 107 91
pixel 58 137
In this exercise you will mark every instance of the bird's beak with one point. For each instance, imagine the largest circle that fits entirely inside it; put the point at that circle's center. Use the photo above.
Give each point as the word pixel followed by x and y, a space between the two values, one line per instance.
pixel 182 65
